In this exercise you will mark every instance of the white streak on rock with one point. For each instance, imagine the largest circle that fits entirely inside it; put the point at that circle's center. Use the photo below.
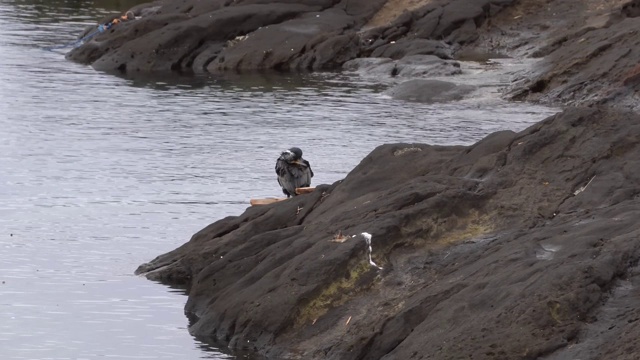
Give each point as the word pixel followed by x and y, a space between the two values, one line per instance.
pixel 584 187
pixel 367 239
pixel 548 251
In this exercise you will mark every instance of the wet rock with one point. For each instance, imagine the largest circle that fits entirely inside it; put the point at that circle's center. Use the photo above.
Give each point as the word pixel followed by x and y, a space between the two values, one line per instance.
pixel 426 66
pixel 367 64
pixel 409 67
pixel 478 55
pixel 507 248
pixel 429 91
pixel 598 65
pixel 587 57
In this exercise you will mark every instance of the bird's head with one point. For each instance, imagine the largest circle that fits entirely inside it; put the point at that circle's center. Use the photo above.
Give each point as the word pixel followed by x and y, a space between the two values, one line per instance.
pixel 292 154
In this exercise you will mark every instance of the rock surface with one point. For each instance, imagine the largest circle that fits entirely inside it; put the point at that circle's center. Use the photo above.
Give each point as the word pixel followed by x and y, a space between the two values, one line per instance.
pixel 589 46
pixel 522 246
pixel 221 35
pixel 414 66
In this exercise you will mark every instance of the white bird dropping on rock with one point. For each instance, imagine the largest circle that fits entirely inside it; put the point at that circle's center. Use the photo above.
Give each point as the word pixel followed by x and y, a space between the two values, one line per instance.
pixel 367 239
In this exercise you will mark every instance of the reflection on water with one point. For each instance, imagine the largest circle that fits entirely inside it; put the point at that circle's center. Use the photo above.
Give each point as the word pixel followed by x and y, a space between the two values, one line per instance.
pixel 101 173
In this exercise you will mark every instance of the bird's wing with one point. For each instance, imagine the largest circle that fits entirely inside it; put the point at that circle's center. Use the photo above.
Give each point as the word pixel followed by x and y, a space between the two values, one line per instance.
pixel 281 167
pixel 285 178
pixel 306 163
pixel 301 173
pixel 292 175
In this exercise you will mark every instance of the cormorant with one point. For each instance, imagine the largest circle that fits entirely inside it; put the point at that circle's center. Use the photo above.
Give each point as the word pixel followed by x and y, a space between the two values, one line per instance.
pixel 293 171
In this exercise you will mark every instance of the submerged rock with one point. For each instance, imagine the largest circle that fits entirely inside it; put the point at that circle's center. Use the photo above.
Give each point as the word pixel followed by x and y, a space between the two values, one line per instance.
pixel 429 91
pixel 506 249
pixel 415 66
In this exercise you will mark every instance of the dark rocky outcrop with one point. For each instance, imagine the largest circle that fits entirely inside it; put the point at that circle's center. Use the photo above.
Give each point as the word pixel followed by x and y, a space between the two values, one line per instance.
pixel 588 50
pixel 596 65
pixel 522 246
pixel 222 35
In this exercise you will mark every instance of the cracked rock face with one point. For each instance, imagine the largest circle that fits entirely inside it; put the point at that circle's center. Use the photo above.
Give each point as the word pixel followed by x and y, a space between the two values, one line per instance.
pixel 488 251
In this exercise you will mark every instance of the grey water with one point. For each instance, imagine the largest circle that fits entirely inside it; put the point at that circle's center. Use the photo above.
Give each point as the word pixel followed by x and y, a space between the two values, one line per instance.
pixel 100 173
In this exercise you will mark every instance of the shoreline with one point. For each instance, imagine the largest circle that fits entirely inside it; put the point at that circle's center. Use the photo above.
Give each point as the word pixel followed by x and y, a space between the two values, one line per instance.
pixel 520 246
pixel 590 41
